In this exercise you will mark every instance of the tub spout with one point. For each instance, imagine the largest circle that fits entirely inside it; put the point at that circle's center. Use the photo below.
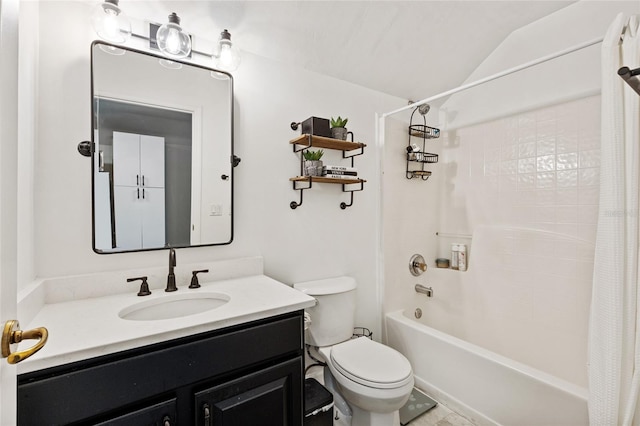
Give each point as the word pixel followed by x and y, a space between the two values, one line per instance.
pixel 424 290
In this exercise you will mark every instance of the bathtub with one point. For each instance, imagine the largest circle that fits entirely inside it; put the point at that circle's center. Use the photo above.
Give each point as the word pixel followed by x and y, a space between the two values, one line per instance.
pixel 487 388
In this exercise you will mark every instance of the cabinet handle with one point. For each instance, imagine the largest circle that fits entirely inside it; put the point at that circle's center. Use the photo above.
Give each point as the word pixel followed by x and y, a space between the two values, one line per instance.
pixel 138 191
pixel 142 180
pixel 166 421
pixel 137 179
pixel 207 415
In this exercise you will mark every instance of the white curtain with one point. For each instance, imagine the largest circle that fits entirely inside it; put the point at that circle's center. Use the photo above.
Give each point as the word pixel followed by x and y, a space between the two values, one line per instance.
pixel 614 331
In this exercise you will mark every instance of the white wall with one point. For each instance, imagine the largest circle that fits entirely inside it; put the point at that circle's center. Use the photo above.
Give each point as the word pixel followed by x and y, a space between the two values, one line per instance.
pixel 316 240
pixel 566 78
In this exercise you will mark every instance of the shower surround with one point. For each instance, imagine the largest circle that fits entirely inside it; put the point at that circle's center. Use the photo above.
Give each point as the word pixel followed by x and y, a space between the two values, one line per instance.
pixel 525 188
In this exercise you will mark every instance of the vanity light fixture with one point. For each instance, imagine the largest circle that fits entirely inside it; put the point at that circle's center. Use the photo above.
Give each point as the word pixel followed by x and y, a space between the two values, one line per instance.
pixel 110 23
pixel 172 40
pixel 227 58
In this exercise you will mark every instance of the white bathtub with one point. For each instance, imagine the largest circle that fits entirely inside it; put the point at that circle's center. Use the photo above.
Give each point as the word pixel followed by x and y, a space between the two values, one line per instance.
pixel 485 387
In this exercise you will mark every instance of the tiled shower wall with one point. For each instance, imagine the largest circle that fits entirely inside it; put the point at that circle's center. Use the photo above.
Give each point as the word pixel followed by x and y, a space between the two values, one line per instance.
pixel 526 187
pixel 539 169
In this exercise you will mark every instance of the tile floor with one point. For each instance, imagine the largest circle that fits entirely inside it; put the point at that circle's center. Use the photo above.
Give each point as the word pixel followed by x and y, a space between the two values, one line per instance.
pixel 440 416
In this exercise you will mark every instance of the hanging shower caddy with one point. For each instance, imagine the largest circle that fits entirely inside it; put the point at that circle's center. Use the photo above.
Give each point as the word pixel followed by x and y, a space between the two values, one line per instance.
pixel 417 157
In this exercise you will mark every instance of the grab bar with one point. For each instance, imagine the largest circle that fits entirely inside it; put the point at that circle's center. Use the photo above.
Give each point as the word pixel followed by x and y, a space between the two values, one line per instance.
pixel 424 290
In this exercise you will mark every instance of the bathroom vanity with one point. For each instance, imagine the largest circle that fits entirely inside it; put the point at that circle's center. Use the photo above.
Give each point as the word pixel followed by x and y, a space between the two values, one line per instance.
pixel 239 363
pixel 248 374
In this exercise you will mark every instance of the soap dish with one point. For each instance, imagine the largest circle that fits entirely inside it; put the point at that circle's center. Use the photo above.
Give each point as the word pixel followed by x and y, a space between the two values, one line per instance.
pixel 442 263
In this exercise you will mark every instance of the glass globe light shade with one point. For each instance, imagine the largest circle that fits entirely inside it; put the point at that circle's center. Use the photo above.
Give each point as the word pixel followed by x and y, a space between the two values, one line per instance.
pixel 110 23
pixel 172 41
pixel 228 57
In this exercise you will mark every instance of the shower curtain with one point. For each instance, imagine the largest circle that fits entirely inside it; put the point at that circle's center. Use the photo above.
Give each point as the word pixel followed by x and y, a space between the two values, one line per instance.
pixel 614 330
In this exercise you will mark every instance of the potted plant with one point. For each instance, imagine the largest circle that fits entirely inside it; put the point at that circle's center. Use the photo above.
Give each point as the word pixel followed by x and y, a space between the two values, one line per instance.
pixel 312 163
pixel 338 129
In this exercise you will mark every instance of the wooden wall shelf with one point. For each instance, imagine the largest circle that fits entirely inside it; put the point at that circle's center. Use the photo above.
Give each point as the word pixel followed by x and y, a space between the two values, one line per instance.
pixel 349 150
pixel 309 141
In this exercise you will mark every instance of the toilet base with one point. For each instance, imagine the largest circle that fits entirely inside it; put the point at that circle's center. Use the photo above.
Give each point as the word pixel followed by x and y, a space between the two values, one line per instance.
pixel 351 415
pixel 369 418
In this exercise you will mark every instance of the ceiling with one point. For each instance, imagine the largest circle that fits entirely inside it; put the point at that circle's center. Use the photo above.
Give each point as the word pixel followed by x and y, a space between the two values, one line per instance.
pixel 409 49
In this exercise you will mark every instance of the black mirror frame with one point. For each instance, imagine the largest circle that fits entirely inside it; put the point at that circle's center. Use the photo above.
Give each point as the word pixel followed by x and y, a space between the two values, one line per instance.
pixel 87 149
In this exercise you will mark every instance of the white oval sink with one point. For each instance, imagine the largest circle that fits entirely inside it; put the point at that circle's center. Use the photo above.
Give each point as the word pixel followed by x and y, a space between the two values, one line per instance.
pixel 173 306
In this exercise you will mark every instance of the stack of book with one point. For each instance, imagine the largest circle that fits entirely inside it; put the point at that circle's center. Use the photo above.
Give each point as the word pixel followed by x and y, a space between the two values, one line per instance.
pixel 340 172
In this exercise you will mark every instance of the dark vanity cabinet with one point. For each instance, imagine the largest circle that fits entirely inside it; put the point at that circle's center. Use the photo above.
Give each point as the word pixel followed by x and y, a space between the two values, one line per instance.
pixel 252 374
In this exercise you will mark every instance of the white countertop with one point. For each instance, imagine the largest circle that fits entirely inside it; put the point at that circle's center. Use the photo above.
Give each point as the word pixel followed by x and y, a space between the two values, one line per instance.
pixel 86 328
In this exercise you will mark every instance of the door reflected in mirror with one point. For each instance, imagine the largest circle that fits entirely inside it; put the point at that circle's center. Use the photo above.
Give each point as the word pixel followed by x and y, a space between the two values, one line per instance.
pixel 162 151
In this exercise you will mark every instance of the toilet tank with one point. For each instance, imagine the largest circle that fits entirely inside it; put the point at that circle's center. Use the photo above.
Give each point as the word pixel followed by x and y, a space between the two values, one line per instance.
pixel 333 316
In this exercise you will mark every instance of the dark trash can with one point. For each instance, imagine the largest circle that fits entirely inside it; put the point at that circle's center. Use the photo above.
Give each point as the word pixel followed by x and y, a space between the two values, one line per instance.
pixel 318 404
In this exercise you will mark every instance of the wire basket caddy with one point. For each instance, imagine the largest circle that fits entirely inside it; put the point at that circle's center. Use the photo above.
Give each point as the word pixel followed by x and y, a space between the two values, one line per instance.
pixel 424 131
pixel 416 154
pixel 422 157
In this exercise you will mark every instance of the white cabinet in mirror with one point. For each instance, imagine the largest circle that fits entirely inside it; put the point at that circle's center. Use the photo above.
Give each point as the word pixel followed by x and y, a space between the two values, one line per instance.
pixel 162 152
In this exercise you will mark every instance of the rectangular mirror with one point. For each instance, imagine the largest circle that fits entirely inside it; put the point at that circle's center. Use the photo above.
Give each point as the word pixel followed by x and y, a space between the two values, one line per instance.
pixel 162 152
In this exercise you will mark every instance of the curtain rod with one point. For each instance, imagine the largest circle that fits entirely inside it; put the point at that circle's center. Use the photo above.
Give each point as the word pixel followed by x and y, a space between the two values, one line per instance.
pixel 497 75
pixel 631 77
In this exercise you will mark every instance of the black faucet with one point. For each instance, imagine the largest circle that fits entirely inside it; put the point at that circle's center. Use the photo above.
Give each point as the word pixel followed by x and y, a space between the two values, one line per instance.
pixel 171 278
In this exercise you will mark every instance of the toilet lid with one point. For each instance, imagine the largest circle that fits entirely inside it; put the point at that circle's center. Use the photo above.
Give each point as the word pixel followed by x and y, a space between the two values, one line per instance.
pixel 371 364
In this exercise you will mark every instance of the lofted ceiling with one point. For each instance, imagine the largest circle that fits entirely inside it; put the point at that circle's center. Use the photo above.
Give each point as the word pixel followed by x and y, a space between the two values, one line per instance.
pixel 409 49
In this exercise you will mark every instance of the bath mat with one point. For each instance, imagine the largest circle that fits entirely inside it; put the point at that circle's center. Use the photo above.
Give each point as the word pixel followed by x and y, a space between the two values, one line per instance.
pixel 417 405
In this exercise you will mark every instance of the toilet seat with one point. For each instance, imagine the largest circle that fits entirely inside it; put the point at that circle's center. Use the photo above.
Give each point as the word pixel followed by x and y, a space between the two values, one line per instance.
pixel 371 364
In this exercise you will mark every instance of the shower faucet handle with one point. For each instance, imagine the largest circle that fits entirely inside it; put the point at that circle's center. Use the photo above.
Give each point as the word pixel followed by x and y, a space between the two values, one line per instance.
pixel 417 265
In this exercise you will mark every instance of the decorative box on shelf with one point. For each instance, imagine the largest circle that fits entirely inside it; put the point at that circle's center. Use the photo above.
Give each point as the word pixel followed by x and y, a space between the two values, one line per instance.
pixel 316 126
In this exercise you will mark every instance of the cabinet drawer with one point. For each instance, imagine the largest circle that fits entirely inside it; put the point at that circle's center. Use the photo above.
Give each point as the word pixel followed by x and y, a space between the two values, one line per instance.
pixel 161 414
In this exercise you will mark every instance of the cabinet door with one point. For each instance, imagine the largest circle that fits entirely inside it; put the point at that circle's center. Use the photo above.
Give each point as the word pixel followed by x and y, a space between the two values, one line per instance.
pixel 126 159
pixel 152 161
pixel 127 204
pixel 270 397
pixel 152 217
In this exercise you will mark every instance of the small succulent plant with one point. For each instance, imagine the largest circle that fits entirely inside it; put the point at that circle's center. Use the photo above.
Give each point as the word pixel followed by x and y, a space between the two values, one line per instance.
pixel 339 122
pixel 313 155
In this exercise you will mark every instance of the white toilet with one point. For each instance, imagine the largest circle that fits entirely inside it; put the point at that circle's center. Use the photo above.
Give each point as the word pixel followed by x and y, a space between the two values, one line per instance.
pixel 374 379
